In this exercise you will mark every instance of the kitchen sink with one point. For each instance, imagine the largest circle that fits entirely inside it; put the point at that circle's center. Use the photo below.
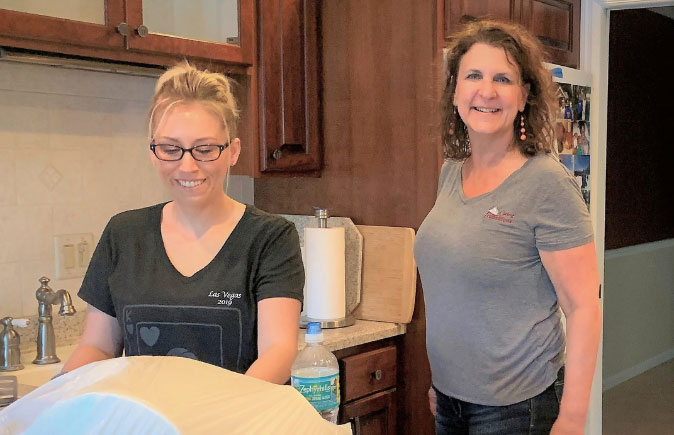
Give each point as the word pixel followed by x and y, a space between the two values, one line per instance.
pixel 34 375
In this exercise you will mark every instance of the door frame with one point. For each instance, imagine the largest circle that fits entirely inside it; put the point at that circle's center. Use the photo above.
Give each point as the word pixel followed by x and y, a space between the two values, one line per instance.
pixel 594 31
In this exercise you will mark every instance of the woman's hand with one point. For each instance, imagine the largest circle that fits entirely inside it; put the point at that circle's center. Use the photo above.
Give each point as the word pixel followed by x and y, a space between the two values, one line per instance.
pixel 566 426
pixel 432 400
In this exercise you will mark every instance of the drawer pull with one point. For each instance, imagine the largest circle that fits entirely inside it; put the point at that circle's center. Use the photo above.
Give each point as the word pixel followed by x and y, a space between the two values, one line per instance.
pixel 377 375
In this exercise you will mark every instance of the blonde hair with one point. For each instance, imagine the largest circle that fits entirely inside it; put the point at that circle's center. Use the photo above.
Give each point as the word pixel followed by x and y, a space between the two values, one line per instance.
pixel 184 84
pixel 526 52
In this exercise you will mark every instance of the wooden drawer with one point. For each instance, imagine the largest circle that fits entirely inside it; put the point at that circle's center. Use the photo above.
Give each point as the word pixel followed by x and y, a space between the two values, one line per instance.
pixel 368 372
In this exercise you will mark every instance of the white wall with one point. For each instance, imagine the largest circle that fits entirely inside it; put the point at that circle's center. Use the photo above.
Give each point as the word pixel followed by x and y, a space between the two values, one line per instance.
pixel 73 152
pixel 638 309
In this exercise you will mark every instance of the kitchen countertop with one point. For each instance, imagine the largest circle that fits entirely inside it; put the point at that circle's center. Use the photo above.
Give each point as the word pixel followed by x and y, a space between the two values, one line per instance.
pixel 363 331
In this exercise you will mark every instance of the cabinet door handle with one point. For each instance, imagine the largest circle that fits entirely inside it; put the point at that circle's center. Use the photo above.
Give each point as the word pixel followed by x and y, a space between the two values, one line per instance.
pixel 355 426
pixel 123 29
pixel 277 154
pixel 142 31
pixel 377 375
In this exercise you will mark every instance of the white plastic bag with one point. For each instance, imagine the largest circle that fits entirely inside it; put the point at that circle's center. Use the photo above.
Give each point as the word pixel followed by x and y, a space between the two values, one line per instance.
pixel 162 395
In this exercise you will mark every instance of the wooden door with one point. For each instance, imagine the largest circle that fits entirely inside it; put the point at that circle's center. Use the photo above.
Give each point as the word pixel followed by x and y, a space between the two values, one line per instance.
pixel 371 415
pixel 458 12
pixel 288 75
pixel 557 25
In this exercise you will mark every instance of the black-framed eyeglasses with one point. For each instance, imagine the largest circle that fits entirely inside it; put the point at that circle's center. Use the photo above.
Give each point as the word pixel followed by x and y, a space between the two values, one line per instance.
pixel 200 153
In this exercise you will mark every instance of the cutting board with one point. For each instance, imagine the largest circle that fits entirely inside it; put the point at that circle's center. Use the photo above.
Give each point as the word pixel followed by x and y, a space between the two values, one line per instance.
pixel 389 274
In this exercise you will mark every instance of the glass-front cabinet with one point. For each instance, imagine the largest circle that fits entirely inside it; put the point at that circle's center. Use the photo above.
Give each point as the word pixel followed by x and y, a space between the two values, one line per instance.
pixel 88 23
pixel 215 30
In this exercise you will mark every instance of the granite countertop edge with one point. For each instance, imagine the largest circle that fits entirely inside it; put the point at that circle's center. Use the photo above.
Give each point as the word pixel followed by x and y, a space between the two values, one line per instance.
pixel 363 331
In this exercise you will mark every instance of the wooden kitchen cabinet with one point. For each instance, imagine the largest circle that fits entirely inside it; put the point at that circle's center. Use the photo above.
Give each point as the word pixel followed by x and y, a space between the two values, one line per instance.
pixel 115 30
pixel 288 76
pixel 557 25
pixel 371 415
pixel 555 22
pixel 275 59
pixel 458 12
pixel 368 382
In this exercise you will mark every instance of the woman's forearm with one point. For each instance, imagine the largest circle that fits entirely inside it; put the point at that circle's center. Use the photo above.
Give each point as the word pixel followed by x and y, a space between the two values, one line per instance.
pixel 274 365
pixel 82 355
pixel 583 328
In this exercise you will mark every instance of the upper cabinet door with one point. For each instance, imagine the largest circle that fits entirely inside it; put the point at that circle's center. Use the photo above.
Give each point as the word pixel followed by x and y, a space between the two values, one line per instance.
pixel 458 12
pixel 289 62
pixel 158 32
pixel 555 22
pixel 218 30
pixel 557 25
pixel 90 23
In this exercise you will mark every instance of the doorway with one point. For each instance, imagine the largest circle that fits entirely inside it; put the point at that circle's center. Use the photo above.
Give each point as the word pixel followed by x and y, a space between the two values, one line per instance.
pixel 595 59
pixel 638 347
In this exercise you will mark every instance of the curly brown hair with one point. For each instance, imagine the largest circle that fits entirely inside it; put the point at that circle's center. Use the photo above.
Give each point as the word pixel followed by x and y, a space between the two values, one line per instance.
pixel 526 52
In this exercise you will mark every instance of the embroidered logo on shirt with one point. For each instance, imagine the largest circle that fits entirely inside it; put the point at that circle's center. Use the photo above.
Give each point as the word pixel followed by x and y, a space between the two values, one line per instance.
pixel 498 215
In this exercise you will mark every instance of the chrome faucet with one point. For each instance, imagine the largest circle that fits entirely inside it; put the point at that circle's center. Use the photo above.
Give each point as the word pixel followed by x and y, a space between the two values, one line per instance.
pixel 46 342
pixel 10 350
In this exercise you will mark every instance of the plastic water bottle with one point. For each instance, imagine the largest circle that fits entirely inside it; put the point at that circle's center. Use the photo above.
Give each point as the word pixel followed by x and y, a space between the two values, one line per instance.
pixel 315 374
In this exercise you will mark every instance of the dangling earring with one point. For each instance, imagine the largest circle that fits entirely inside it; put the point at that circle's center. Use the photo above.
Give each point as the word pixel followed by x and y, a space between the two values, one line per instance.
pixel 466 143
pixel 523 130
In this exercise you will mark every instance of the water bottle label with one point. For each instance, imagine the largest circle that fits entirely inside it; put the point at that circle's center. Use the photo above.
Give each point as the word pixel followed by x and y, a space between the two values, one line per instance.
pixel 321 392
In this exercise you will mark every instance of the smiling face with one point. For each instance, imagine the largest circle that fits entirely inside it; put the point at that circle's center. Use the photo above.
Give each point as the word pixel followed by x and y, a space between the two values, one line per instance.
pixel 188 180
pixel 489 92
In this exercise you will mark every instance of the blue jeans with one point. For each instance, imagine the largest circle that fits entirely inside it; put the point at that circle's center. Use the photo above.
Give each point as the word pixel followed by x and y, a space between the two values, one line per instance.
pixel 531 416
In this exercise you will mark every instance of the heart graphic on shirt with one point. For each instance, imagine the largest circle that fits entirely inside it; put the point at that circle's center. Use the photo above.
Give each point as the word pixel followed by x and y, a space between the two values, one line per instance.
pixel 149 335
pixel 181 351
pixel 129 328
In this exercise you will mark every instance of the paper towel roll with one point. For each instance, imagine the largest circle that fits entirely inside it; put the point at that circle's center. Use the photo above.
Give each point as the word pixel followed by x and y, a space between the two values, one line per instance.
pixel 325 273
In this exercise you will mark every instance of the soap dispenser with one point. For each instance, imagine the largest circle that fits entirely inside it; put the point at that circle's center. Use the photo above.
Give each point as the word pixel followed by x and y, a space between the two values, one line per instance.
pixel 10 355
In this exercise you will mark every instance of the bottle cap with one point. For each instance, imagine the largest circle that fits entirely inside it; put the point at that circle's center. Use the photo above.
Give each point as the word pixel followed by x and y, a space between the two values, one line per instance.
pixel 314 333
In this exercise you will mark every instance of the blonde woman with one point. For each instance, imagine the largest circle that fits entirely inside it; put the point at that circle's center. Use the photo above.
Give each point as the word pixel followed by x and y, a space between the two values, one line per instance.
pixel 202 276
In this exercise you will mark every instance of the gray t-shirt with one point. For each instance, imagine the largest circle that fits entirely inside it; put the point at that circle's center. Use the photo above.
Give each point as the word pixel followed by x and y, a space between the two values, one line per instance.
pixel 493 327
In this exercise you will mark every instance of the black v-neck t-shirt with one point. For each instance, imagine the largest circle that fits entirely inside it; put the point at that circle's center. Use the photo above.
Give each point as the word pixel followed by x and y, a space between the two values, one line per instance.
pixel 210 316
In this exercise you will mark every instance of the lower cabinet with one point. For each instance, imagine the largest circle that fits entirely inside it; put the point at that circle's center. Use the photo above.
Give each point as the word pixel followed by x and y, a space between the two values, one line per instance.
pixel 374 414
pixel 368 379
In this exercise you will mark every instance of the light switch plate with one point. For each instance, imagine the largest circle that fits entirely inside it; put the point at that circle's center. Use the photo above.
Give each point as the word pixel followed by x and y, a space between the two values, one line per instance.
pixel 72 253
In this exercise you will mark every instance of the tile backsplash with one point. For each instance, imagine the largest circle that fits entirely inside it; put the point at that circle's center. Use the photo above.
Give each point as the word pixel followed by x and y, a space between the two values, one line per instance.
pixel 72 154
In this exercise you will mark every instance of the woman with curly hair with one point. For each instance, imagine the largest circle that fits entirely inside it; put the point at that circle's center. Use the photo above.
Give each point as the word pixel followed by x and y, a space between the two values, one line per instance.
pixel 508 242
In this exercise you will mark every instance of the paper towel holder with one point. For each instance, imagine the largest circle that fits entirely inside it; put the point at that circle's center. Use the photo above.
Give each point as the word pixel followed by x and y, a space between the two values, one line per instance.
pixel 322 215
